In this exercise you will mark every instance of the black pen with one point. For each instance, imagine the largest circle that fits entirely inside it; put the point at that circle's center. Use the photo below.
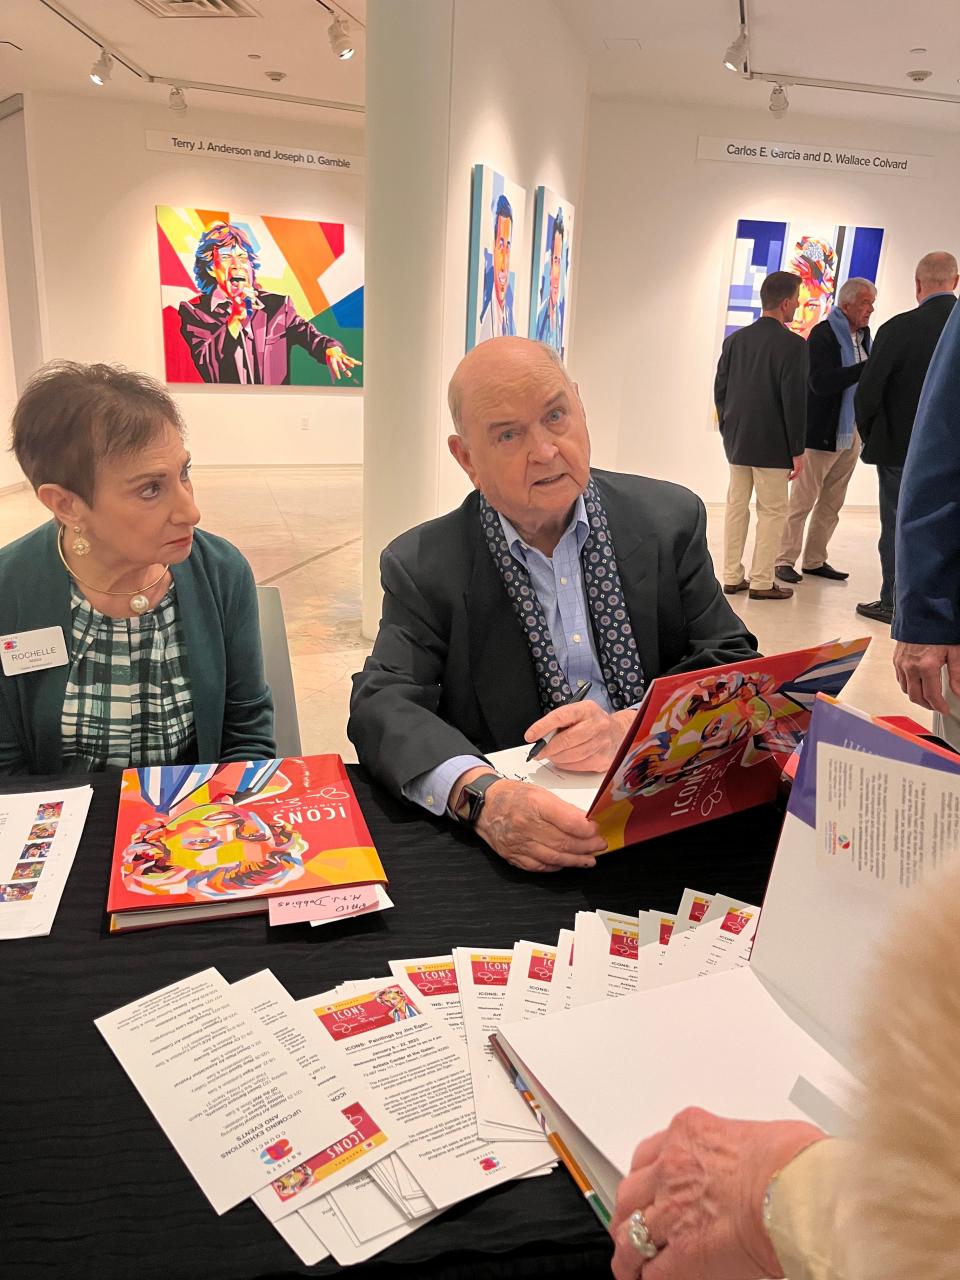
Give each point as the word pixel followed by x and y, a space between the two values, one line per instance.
pixel 577 697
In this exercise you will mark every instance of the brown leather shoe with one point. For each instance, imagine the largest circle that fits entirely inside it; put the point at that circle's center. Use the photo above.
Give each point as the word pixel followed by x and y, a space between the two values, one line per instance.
pixel 772 593
pixel 742 585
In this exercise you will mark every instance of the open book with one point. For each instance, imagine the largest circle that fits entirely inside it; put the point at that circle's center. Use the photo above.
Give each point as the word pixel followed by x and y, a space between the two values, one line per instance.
pixel 703 744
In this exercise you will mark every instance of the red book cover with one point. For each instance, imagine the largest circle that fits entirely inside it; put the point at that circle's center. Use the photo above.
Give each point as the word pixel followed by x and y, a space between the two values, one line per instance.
pixel 195 841
pixel 708 743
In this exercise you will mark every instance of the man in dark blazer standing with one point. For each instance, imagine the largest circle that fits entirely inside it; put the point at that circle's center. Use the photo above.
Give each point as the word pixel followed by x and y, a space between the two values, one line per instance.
pixel 837 347
pixel 761 395
pixel 887 397
pixel 548 577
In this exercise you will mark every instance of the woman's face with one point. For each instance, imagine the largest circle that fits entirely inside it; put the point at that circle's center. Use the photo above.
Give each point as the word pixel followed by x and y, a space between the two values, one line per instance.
pixel 143 511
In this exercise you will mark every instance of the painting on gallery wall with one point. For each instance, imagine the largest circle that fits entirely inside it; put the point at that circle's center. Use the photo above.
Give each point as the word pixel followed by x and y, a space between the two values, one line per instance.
pixel 257 300
pixel 494 309
pixel 550 276
pixel 823 255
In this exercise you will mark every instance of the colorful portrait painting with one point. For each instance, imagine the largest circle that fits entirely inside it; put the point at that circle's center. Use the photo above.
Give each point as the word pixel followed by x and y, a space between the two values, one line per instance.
pixel 550 291
pixel 258 300
pixel 494 309
pixel 823 255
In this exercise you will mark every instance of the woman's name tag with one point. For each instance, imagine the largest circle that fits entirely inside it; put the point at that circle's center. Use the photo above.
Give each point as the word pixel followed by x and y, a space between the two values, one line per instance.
pixel 24 651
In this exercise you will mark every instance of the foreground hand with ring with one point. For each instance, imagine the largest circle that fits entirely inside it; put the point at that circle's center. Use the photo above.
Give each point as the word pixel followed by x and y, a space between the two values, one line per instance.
pixel 638 1233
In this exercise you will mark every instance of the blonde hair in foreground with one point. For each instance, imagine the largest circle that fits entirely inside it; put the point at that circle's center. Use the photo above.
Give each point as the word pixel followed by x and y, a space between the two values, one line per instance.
pixel 905 1164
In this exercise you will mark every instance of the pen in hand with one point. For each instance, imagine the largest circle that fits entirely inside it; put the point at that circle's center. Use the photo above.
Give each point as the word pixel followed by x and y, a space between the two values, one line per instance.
pixel 542 742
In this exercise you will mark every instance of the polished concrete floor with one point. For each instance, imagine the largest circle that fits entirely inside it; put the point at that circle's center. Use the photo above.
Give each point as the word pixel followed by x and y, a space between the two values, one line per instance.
pixel 300 528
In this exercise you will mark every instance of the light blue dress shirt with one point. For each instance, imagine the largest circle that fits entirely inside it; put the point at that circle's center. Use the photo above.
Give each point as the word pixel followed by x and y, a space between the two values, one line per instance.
pixel 558 582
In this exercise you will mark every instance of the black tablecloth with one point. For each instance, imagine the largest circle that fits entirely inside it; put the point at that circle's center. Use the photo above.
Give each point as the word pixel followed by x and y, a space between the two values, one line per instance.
pixel 89 1185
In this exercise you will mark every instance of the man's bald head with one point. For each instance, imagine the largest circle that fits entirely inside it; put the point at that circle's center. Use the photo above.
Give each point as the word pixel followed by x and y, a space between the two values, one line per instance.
pixel 936 273
pixel 495 366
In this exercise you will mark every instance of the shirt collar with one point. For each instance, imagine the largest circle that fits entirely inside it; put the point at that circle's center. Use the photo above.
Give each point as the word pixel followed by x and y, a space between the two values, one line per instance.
pixel 578 521
pixel 944 293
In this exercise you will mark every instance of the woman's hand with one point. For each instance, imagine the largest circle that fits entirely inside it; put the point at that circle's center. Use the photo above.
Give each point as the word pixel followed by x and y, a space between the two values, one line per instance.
pixel 700 1186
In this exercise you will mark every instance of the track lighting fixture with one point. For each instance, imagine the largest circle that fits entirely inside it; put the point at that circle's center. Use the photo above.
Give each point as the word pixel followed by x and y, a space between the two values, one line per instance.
pixel 736 56
pixel 778 101
pixel 101 69
pixel 177 100
pixel 341 42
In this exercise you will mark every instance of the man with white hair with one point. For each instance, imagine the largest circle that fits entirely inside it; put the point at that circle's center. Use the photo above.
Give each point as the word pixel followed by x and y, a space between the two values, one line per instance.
pixel 837 348
pixel 549 580
pixel 887 398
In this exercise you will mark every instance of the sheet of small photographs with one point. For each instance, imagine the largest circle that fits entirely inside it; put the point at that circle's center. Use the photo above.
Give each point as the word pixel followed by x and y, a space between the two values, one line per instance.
pixel 32 861
pixel 39 835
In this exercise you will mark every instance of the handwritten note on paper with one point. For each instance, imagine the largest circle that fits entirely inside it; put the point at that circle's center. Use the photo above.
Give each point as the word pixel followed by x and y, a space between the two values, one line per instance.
pixel 323 904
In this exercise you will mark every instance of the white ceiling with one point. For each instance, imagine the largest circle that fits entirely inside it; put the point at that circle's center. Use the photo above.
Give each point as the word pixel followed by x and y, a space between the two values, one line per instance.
pixel 680 59
pixel 289 36
pixel 855 40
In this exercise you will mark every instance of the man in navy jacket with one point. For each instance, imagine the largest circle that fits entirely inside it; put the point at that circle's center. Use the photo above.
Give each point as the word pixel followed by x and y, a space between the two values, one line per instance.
pixel 837 348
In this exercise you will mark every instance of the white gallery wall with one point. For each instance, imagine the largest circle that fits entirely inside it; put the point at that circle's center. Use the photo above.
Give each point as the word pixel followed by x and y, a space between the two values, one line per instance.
pixel 10 473
pixel 657 227
pixel 95 187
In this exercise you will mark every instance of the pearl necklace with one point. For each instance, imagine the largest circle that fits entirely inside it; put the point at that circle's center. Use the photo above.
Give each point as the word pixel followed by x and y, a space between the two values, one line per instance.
pixel 139 602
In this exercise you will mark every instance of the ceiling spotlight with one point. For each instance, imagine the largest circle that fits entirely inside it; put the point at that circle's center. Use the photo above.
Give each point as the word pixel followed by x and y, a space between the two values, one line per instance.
pixel 177 100
pixel 101 69
pixel 341 41
pixel 778 101
pixel 736 55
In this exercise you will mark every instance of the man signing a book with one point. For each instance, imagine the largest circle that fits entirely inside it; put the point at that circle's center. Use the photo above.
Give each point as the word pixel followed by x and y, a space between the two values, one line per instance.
pixel 548 576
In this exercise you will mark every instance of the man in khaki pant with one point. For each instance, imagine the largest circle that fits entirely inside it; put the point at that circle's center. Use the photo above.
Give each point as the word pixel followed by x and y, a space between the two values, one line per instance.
pixel 838 348
pixel 760 393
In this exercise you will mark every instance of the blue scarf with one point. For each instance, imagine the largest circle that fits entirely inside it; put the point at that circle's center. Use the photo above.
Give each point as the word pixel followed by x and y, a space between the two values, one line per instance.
pixel 841 327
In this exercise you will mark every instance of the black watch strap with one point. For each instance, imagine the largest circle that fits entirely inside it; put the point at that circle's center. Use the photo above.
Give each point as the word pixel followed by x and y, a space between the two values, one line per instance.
pixel 472 797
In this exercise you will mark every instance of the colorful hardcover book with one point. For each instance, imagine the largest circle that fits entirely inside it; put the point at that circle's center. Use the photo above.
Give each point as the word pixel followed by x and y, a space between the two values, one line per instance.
pixel 197 841
pixel 708 743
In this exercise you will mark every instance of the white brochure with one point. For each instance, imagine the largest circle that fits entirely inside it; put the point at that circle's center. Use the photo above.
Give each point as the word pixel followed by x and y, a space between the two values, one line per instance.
pixel 882 823
pixel 361 1136
pixel 718 944
pixel 578 789
pixel 560 996
pixel 693 907
pixel 39 835
pixel 482 977
pixel 341 1240
pixel 605 956
pixel 367 1210
pixel 656 930
pixel 304 1243
pixel 531 976
pixel 418 1074
pixel 238 1111
pixel 434 978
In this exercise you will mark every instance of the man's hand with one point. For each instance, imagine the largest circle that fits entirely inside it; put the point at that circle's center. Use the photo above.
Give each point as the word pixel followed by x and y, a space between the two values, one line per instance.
pixel 700 1185
pixel 797 467
pixel 535 830
pixel 586 739
pixel 919 667
pixel 339 363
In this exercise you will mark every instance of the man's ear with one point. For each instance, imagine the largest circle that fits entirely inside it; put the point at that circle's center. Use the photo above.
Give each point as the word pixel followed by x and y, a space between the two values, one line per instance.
pixel 63 504
pixel 458 448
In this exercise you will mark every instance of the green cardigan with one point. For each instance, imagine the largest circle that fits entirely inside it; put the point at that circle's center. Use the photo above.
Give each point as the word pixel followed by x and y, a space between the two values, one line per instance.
pixel 217 611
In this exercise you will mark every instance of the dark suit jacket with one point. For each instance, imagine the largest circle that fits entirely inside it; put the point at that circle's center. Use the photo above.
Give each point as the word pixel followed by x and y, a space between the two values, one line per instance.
pixel 450 673
pixel 828 379
pixel 277 326
pixel 761 392
pixel 889 389
pixel 928 515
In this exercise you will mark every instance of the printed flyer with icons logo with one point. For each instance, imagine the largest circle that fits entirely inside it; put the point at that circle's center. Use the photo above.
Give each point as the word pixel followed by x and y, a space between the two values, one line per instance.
pixel 364 1136
pixel 433 981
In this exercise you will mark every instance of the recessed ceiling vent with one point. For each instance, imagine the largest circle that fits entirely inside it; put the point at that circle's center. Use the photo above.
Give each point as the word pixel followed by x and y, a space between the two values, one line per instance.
pixel 200 8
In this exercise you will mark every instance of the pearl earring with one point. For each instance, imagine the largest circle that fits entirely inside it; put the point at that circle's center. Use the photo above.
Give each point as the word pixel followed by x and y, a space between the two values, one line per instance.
pixel 80 546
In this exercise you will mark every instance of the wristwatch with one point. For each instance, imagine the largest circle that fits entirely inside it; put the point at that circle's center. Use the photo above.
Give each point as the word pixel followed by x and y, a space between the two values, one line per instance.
pixel 472 797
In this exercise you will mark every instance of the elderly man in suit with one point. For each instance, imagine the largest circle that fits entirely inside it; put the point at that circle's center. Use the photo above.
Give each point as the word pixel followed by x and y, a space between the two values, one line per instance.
pixel 549 575
pixel 838 348
pixel 887 397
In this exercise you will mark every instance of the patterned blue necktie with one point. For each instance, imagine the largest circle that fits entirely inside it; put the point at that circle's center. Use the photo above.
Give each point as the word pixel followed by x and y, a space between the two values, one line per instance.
pixel 617 647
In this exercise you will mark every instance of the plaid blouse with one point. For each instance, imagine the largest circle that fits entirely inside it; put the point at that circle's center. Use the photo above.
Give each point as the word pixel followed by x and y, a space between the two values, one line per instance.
pixel 128 695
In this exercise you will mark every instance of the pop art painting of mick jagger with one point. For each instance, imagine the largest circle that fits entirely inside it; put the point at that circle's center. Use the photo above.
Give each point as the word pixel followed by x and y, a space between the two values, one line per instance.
pixel 247 301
